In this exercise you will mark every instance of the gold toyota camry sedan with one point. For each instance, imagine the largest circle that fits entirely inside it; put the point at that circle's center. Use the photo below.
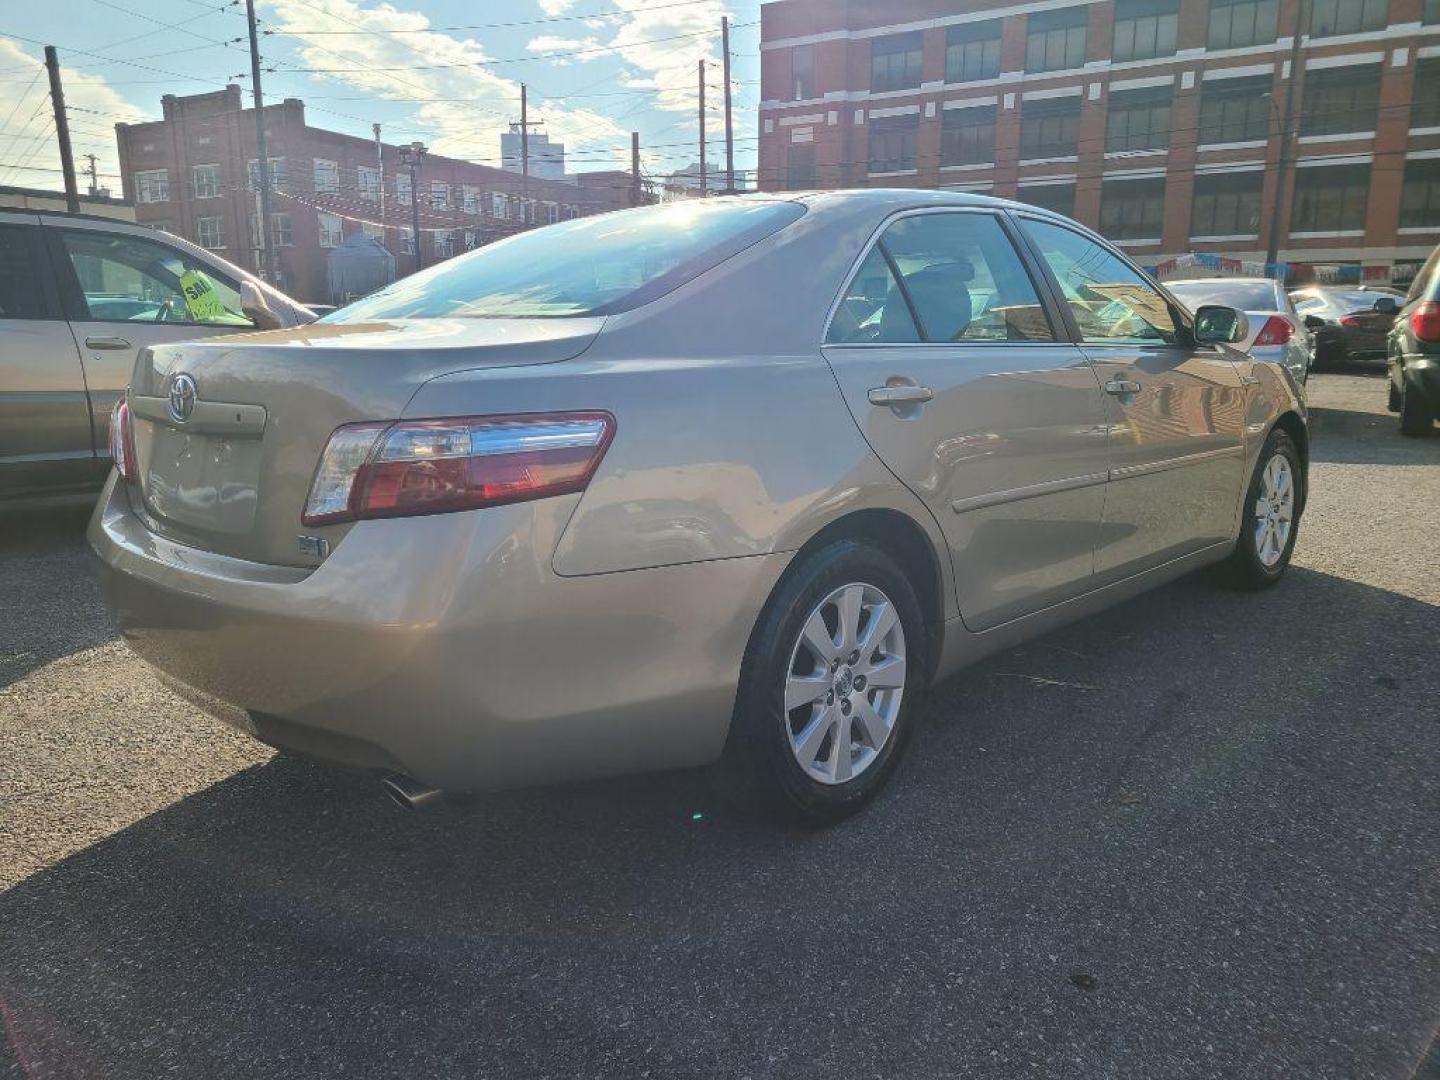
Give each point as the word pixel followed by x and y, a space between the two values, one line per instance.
pixel 728 482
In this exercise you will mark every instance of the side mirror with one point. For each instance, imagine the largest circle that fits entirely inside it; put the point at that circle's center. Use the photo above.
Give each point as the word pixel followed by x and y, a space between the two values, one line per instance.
pixel 1314 322
pixel 1219 325
pixel 256 308
pixel 1387 305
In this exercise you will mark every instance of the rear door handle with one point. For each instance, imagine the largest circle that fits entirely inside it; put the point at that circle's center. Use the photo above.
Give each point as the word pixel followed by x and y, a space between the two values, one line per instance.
pixel 1122 387
pixel 107 343
pixel 904 394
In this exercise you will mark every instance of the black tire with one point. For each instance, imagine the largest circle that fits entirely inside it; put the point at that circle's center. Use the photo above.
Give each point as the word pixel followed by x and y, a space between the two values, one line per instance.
pixel 1245 569
pixel 1415 418
pixel 759 771
pixel 1392 399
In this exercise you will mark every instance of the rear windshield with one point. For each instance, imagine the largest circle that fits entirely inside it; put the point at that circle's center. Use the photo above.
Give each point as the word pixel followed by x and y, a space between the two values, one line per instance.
pixel 588 266
pixel 1245 295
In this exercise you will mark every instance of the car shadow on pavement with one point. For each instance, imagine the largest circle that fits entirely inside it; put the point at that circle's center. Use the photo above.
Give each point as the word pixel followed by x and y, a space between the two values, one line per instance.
pixel 49 597
pixel 1199 829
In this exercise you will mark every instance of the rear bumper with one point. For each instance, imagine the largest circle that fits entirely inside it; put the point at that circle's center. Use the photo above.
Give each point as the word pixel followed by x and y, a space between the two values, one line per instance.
pixel 1422 374
pixel 445 647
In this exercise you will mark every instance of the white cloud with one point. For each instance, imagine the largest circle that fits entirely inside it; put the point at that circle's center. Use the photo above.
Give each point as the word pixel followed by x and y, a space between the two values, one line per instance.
pixel 475 102
pixel 549 43
pixel 556 7
pixel 27 139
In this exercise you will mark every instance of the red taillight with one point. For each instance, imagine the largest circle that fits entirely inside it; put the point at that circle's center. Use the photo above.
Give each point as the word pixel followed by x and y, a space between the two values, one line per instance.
pixel 1352 321
pixel 122 442
pixel 1276 331
pixel 1425 321
pixel 439 466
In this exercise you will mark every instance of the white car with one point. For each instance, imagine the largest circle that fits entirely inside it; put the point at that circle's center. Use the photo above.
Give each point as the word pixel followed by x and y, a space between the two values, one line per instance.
pixel 1277 333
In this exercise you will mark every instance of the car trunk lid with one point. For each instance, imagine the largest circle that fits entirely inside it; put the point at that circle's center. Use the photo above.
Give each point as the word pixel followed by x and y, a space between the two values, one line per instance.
pixel 228 431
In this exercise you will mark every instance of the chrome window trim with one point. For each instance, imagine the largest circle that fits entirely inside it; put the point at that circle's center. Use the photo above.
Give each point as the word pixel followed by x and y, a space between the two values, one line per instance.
pixel 1147 468
pixel 996 212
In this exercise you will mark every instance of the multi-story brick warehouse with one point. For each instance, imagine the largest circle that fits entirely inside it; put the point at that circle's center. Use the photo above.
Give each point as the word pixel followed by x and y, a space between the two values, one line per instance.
pixel 194 174
pixel 1158 122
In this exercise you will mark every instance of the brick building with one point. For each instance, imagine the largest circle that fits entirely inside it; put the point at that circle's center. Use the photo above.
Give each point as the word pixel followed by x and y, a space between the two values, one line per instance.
pixel 1157 122
pixel 194 174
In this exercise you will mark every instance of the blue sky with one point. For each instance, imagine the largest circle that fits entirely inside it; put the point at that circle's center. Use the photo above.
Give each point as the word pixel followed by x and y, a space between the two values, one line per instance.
pixel 447 72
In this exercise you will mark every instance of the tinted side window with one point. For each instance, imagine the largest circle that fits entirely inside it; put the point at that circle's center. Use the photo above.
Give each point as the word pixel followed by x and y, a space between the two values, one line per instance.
pixel 959 274
pixel 873 308
pixel 1111 302
pixel 21 295
pixel 124 278
pixel 965 280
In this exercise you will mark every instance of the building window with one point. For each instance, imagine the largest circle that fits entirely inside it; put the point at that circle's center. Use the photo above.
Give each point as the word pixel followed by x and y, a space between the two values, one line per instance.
pixel 1139 119
pixel 1050 127
pixel 1420 200
pixel 470 199
pixel 210 232
pixel 892 143
pixel 1055 40
pixel 1330 17
pixel 402 188
pixel 152 186
pixel 444 244
pixel 552 213
pixel 1133 209
pixel 1425 109
pixel 367 179
pixel 470 240
pixel 280 234
pixel 1330 198
pixel 327 177
pixel 1339 100
pixel 895 62
pixel 439 195
pixel 800 167
pixel 1226 204
pixel 206 181
pixel 407 242
pixel 499 205
pixel 277 173
pixel 1144 29
pixel 802 72
pixel 375 232
pixel 1236 24
pixel 332 233
pixel 972 51
pixel 1235 110
pixel 1431 13
pixel 967 136
pixel 1059 198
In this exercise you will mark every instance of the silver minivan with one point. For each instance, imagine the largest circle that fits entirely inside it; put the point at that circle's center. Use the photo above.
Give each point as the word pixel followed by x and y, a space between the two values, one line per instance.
pixel 80 296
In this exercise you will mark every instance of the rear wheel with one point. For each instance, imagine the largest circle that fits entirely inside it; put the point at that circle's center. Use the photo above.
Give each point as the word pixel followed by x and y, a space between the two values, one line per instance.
pixel 829 688
pixel 1415 417
pixel 1271 518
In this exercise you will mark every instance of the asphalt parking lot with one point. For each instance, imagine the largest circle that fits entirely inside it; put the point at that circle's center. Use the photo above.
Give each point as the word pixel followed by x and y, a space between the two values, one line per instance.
pixel 1197 836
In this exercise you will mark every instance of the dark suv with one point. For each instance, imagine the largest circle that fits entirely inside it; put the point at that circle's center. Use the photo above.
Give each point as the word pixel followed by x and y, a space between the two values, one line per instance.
pixel 1413 352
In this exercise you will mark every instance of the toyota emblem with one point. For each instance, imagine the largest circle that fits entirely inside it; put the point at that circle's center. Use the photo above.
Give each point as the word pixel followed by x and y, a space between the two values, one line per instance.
pixel 182 398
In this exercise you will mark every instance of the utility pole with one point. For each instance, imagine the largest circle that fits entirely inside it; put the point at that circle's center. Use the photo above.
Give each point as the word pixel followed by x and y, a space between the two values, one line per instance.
pixel 1302 23
pixel 634 168
pixel 265 261
pixel 62 130
pixel 729 123
pixel 704 184
pixel 413 155
pixel 380 164
pixel 94 176
pixel 524 159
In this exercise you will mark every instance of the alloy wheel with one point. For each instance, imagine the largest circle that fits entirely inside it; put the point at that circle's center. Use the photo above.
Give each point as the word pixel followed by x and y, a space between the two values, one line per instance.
pixel 844 683
pixel 1274 510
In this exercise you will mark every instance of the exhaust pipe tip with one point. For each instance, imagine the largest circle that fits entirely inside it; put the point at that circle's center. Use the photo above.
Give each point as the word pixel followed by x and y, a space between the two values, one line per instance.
pixel 409 793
